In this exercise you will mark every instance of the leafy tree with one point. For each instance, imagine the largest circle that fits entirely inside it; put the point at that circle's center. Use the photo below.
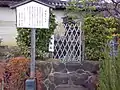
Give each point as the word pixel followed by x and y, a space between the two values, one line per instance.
pixel 79 9
pixel 107 7
pixel 42 39
pixel 110 8
pixel 97 29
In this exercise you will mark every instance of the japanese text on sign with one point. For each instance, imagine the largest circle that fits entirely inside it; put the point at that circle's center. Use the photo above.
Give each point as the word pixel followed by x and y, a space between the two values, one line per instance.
pixel 33 15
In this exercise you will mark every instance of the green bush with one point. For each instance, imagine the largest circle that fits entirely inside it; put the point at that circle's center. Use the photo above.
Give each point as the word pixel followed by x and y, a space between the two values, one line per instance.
pixel 42 39
pixel 98 30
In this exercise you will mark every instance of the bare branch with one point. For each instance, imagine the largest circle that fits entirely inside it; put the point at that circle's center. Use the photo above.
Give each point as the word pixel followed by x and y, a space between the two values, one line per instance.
pixel 113 1
pixel 112 8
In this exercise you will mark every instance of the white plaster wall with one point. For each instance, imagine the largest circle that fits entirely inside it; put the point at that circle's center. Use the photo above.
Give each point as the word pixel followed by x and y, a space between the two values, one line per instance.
pixel 59 15
pixel 8 30
pixel 7 26
pixel 59 19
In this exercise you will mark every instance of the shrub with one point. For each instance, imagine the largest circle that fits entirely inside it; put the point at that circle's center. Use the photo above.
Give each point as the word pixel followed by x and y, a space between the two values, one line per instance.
pixel 42 39
pixel 16 72
pixel 98 31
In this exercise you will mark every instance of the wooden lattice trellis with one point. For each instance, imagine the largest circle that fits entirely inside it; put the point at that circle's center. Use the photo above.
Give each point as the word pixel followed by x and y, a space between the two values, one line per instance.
pixel 68 47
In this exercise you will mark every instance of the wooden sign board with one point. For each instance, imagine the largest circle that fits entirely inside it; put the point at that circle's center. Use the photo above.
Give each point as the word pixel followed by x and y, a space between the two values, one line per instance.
pixel 32 15
pixel 51 44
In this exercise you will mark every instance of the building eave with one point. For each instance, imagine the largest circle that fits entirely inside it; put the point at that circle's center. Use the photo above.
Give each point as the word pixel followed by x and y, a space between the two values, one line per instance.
pixel 27 1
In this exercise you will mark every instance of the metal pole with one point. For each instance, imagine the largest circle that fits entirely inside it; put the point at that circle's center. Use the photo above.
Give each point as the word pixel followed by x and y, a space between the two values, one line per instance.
pixel 31 83
pixel 33 39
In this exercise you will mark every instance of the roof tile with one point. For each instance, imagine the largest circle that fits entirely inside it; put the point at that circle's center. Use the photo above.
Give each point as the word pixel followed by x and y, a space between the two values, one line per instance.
pixel 57 3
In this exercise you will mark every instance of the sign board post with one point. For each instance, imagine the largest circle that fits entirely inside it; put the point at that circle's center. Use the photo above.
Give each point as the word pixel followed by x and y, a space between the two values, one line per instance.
pixel 33 54
pixel 32 14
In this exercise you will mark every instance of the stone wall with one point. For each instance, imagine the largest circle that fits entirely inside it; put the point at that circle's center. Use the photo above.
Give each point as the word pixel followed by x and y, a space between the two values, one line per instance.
pixel 69 76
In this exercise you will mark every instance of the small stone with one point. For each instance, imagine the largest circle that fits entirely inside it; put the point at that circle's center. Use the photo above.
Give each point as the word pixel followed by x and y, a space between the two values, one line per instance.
pixel 51 78
pixel 47 82
pixel 73 66
pixel 51 87
pixel 61 78
pixel 44 67
pixel 92 66
pixel 80 71
pixel 64 71
pixel 81 80
pixel 58 67
pixel 73 76
pixel 70 87
pixel 42 87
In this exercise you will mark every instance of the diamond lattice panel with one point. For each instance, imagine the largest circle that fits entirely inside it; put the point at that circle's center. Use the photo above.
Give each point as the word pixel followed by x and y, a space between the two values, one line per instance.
pixel 68 47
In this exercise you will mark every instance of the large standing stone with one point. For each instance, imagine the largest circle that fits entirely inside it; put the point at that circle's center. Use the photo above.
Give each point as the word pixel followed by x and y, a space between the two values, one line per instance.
pixel 71 76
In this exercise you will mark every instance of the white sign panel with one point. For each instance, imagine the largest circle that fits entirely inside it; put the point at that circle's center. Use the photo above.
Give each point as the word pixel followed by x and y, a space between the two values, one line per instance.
pixel 33 15
pixel 51 44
